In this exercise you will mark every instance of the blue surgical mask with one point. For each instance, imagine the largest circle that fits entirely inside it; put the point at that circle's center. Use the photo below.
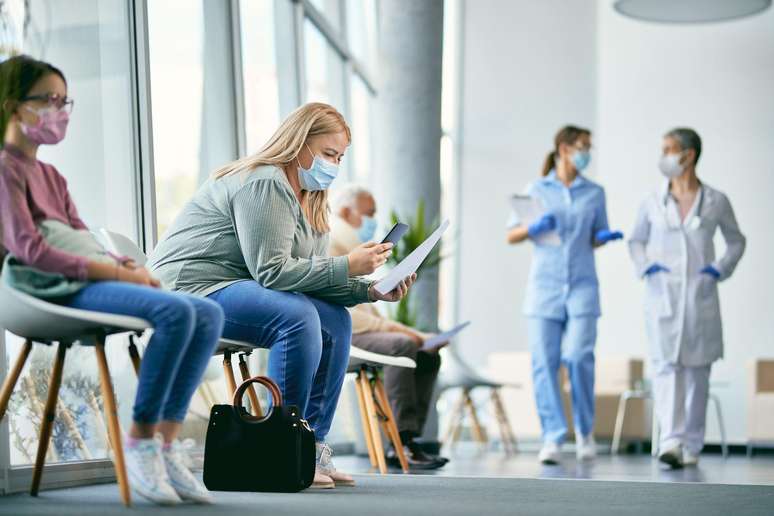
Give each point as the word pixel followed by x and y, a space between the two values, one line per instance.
pixel 367 229
pixel 319 176
pixel 581 160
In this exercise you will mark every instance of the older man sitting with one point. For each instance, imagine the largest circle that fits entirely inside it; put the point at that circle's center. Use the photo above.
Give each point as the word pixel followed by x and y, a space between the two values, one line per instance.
pixel 409 390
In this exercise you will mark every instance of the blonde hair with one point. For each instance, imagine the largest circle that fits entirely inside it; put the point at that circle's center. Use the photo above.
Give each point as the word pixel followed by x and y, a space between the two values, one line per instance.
pixel 284 146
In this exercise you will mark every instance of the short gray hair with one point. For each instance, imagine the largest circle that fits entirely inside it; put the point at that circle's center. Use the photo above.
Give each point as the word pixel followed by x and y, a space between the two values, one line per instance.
pixel 687 138
pixel 347 196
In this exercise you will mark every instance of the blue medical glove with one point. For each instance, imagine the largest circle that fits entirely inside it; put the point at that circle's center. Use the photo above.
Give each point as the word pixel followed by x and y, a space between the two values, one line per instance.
pixel 605 235
pixel 545 223
pixel 712 271
pixel 653 269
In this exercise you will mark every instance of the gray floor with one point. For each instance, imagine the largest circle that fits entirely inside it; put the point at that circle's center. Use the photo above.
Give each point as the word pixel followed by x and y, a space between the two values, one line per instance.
pixel 435 495
pixel 475 482
pixel 468 460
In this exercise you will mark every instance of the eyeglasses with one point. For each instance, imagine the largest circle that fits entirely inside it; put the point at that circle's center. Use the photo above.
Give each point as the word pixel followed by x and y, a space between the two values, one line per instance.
pixel 61 103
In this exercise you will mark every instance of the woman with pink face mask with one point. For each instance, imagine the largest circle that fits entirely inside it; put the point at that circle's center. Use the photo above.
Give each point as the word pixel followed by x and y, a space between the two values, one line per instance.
pixel 41 230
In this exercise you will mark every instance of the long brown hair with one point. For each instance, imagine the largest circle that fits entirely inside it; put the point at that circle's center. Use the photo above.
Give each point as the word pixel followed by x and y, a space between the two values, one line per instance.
pixel 284 146
pixel 568 134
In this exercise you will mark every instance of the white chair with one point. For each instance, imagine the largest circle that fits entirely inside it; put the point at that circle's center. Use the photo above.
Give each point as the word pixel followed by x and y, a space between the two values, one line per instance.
pixel 41 322
pixel 375 409
pixel 120 245
pixel 645 394
pixel 458 375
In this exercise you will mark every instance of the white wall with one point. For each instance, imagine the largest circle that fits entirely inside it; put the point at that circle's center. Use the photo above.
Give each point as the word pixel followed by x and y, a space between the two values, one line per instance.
pixel 718 79
pixel 530 67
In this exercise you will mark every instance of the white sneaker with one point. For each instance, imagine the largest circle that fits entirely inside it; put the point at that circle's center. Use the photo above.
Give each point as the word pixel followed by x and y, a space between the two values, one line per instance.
pixel 689 459
pixel 185 484
pixel 585 447
pixel 147 474
pixel 550 453
pixel 326 468
pixel 673 457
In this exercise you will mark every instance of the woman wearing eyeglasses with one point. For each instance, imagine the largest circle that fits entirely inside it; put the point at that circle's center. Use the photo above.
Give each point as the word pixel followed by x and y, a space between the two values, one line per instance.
pixel 672 248
pixel 562 299
pixel 42 231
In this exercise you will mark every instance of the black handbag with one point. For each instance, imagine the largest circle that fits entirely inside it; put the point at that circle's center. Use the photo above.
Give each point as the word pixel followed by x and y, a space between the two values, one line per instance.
pixel 274 453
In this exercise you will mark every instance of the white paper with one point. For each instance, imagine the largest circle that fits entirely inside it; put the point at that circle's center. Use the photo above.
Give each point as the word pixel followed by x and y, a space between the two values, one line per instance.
pixel 411 263
pixel 530 210
pixel 434 342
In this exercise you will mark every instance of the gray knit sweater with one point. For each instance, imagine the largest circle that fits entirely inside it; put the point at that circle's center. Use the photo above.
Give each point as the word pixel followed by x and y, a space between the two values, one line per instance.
pixel 251 227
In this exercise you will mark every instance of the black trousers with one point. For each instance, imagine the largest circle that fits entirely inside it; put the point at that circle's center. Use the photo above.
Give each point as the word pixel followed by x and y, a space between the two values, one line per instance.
pixel 410 390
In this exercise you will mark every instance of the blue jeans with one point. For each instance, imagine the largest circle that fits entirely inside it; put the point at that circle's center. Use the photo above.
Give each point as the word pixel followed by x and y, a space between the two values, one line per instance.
pixel 545 339
pixel 186 330
pixel 309 341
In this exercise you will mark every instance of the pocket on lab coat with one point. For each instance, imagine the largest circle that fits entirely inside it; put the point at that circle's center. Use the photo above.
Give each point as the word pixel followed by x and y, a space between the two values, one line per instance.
pixel 659 295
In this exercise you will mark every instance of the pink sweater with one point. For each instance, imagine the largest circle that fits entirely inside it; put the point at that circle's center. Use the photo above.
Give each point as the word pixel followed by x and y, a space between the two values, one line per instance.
pixel 32 191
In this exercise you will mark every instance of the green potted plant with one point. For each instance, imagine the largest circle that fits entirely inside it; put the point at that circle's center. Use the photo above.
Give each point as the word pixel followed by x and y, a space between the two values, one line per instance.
pixel 419 231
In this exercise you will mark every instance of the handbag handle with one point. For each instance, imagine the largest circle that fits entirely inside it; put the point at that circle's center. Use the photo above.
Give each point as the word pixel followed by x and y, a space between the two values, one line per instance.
pixel 266 382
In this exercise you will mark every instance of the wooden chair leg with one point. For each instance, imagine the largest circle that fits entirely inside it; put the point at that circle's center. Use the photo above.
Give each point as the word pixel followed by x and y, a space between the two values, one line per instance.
pixel 13 377
pixel 373 418
pixel 254 403
pixel 455 422
pixel 392 427
pixel 114 429
pixel 365 421
pixel 49 413
pixel 229 373
pixel 478 431
pixel 134 355
pixel 506 433
pixel 37 407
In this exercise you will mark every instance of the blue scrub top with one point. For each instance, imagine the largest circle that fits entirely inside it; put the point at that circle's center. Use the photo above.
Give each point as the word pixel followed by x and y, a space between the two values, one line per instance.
pixel 563 279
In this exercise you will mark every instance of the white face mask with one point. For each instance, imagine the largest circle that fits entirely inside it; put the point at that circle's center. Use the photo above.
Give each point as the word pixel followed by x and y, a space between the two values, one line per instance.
pixel 670 166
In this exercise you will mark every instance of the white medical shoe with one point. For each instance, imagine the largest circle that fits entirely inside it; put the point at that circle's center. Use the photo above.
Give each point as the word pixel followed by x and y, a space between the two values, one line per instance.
pixel 689 459
pixel 672 457
pixel 550 453
pixel 147 473
pixel 185 484
pixel 585 447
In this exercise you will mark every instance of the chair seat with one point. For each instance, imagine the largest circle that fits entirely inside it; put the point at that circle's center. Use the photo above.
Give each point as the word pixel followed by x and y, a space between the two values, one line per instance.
pixel 39 320
pixel 358 357
pixel 234 346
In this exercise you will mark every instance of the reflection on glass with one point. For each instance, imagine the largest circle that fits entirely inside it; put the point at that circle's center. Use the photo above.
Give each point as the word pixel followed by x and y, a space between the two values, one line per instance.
pixel 89 41
pixel 324 69
pixel 175 33
pixel 259 70
pixel 360 123
pixel 330 10
pixel 361 30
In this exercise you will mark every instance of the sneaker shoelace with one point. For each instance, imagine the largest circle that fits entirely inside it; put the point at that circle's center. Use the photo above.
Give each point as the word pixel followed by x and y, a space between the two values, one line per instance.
pixel 150 462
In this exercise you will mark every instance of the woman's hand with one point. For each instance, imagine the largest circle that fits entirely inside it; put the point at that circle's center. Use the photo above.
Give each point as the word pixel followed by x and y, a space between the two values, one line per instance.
pixel 368 257
pixel 138 276
pixel 395 294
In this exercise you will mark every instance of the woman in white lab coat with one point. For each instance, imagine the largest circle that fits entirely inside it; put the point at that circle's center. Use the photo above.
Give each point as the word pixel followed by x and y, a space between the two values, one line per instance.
pixel 672 248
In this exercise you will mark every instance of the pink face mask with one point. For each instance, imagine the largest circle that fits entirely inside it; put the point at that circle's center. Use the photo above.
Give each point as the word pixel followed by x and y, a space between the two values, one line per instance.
pixel 50 128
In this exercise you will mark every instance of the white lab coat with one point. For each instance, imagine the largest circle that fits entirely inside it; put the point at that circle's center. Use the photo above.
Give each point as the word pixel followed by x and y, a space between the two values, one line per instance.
pixel 682 309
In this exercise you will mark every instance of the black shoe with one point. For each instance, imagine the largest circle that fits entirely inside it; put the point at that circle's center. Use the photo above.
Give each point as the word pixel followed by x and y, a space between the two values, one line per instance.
pixel 416 458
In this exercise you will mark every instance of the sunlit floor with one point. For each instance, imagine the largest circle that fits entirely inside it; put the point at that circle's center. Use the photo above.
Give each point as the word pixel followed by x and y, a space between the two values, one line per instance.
pixel 467 460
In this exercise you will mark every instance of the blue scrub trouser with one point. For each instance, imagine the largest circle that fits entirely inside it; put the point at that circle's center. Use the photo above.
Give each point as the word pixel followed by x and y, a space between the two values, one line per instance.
pixel 545 339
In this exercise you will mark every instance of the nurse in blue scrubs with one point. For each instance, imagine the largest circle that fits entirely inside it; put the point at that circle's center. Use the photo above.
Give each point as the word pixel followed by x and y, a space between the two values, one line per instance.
pixel 562 299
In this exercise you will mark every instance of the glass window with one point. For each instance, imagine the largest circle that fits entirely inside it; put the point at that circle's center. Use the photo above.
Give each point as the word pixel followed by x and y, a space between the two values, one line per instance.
pixel 324 69
pixel 361 30
pixel 89 41
pixel 360 163
pixel 194 128
pixel 259 71
pixel 330 10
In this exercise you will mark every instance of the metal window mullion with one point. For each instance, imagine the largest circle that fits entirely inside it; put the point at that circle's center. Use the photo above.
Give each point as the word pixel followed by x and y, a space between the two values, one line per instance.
pixel 146 180
pixel 235 28
pixel 300 50
pixel 457 140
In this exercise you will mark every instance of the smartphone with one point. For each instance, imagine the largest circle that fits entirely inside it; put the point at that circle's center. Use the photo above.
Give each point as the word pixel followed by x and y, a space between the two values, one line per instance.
pixel 396 233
